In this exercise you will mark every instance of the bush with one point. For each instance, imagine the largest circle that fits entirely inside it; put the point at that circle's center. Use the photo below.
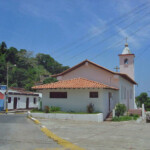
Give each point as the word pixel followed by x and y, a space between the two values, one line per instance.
pixel 120 109
pixel 54 109
pixel 46 109
pixel 90 108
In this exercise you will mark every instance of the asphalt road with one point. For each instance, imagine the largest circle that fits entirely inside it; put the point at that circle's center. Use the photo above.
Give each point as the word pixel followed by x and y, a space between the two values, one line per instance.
pixel 19 133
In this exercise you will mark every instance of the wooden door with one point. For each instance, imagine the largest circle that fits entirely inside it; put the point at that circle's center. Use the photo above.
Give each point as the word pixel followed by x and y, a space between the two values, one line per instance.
pixel 109 102
pixel 27 103
pixel 15 102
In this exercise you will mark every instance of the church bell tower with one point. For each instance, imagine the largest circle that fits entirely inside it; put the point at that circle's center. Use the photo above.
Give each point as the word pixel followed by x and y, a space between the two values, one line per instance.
pixel 127 62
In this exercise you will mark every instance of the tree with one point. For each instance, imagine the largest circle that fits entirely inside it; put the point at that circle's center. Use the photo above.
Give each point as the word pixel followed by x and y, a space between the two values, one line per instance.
pixel 3 48
pixel 50 64
pixel 11 55
pixel 143 99
pixel 2 69
pixel 50 80
pixel 28 68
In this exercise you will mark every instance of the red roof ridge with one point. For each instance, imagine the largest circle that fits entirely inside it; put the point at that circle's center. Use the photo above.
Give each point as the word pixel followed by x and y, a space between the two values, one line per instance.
pixel 74 83
pixel 78 65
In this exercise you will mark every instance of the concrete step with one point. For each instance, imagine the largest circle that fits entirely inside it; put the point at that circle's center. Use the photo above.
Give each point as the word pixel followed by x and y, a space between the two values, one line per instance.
pixel 108 119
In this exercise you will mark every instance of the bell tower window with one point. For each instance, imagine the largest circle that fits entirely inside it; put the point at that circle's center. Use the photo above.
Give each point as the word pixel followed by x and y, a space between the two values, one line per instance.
pixel 126 61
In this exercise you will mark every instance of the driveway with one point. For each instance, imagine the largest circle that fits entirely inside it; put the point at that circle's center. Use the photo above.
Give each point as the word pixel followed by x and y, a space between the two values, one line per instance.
pixel 19 133
pixel 102 136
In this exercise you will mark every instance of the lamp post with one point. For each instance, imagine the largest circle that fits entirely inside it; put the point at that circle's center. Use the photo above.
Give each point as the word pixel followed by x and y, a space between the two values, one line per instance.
pixel 6 110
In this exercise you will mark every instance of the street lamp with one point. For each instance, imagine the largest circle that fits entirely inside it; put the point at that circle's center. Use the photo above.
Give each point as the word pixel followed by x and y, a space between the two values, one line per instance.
pixel 7 88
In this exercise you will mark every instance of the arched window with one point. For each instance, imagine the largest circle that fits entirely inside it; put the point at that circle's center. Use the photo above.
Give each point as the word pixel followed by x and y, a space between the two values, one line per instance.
pixel 126 61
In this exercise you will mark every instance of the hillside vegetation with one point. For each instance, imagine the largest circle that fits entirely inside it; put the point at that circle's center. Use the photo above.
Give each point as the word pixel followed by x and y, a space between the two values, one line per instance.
pixel 25 70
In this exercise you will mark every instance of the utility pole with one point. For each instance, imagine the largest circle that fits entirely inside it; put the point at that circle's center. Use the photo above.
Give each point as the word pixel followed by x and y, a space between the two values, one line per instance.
pixel 7 91
pixel 6 110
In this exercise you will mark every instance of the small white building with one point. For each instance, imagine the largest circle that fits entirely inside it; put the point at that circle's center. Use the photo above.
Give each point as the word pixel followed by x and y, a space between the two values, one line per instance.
pixel 21 99
pixel 88 82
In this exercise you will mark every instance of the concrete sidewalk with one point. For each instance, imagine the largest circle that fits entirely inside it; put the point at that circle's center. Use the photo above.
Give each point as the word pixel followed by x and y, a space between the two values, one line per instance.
pixel 106 136
pixel 15 111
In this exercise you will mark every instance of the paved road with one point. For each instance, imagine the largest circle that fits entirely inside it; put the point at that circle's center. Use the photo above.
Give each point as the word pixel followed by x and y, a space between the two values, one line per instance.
pixel 19 133
pixel 126 135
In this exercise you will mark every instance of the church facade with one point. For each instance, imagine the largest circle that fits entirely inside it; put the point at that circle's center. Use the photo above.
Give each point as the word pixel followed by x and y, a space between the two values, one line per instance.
pixel 88 82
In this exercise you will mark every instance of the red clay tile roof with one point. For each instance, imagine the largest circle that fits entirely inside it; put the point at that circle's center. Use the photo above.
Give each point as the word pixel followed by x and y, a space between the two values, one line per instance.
pixel 74 84
pixel 83 62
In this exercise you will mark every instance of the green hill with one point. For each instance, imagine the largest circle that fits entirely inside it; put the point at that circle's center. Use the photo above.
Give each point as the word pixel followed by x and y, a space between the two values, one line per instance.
pixel 28 70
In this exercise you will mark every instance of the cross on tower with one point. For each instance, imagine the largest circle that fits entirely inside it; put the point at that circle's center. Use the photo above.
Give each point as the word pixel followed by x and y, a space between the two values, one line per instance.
pixel 117 68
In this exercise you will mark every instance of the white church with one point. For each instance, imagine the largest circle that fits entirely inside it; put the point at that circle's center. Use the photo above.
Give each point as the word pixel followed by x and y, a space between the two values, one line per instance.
pixel 88 82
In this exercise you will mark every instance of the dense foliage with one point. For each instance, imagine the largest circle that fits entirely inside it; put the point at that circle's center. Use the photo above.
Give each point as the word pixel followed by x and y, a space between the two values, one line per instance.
pixel 120 109
pixel 143 99
pixel 28 69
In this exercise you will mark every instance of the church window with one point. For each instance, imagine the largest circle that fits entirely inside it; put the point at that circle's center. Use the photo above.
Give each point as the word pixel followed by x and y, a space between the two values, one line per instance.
pixel 126 61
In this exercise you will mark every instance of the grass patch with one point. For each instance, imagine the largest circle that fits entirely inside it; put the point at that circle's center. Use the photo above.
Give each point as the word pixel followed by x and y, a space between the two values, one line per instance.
pixel 35 110
pixel 125 118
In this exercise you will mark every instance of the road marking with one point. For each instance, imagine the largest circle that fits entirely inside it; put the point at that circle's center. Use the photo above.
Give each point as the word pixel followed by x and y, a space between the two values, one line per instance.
pixel 51 149
pixel 66 144
pixel 35 120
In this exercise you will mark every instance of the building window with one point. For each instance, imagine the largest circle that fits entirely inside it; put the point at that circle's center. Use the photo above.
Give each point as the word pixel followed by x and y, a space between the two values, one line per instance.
pixel 126 61
pixel 58 94
pixel 93 95
pixel 34 100
pixel 9 99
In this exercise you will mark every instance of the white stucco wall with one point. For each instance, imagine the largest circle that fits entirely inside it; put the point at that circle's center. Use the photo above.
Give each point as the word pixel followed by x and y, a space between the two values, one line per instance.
pixel 105 101
pixel 82 117
pixel 126 93
pixel 92 72
pixel 78 99
pixel 22 102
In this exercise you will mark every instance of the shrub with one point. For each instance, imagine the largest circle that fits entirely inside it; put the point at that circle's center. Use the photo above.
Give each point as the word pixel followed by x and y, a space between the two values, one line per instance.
pixel 46 109
pixel 120 109
pixel 54 109
pixel 90 108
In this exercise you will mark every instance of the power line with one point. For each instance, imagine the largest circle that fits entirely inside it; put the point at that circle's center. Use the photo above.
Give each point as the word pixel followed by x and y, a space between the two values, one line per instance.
pixel 145 50
pixel 119 42
pixel 114 20
pixel 91 38
pixel 101 41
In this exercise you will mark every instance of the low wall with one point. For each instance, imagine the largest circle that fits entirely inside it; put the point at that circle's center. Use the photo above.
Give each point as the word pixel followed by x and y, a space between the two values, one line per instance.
pixel 80 117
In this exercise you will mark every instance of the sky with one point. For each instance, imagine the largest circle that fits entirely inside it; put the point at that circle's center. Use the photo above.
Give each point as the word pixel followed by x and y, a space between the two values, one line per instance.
pixel 74 30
